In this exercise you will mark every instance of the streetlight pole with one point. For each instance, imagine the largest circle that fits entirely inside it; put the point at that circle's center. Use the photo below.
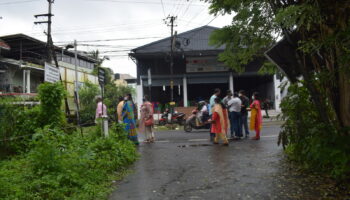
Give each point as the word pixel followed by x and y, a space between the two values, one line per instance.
pixel 76 65
pixel 76 89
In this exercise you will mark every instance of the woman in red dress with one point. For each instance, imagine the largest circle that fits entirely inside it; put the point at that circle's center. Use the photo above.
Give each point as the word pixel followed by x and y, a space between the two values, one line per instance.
pixel 255 116
pixel 219 122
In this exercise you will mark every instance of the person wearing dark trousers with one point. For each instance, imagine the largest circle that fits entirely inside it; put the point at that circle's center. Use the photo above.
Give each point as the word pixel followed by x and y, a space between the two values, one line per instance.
pixel 234 105
pixel 266 105
pixel 244 113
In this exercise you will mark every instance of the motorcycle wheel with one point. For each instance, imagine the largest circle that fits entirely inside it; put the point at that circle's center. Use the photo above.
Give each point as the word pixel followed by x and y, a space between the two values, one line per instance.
pixel 187 128
pixel 162 123
pixel 182 122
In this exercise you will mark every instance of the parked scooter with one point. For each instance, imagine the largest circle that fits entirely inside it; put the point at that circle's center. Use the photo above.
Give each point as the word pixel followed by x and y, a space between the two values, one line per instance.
pixel 176 118
pixel 193 122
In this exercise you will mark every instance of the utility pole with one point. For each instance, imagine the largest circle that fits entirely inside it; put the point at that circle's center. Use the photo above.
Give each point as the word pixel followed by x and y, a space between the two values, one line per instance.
pixel 49 45
pixel 171 24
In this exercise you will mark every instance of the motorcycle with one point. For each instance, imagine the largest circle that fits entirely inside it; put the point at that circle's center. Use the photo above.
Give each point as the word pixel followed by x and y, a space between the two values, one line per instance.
pixel 176 118
pixel 193 122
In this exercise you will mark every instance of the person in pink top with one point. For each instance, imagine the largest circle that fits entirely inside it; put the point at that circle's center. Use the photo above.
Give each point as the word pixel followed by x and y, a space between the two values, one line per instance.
pixel 99 112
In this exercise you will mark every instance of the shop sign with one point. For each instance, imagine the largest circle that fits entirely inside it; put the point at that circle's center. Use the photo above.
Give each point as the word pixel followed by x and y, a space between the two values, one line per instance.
pixel 204 64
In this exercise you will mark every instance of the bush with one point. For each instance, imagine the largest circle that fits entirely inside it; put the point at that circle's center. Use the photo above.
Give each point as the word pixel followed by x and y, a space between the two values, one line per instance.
pixel 18 122
pixel 316 145
pixel 87 96
pixel 61 166
pixel 111 99
pixel 51 97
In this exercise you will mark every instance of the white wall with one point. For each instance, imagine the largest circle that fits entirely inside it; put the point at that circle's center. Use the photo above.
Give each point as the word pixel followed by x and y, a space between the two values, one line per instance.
pixel 279 94
pixel 139 96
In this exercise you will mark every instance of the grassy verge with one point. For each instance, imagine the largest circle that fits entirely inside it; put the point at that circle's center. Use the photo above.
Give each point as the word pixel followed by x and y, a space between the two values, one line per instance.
pixel 67 166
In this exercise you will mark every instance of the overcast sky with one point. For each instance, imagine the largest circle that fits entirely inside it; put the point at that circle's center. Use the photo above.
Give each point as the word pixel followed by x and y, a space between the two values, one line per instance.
pixel 128 23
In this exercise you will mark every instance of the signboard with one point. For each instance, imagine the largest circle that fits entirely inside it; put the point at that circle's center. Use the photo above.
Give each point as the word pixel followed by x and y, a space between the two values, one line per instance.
pixel 4 45
pixel 101 76
pixel 204 64
pixel 52 74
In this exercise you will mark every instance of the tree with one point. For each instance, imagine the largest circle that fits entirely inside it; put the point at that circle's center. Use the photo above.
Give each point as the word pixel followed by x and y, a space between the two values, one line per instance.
pixel 318 29
pixel 96 55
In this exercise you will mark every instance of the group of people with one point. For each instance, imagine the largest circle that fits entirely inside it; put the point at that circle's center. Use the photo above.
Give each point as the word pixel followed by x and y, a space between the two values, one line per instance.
pixel 227 115
pixel 231 114
pixel 127 114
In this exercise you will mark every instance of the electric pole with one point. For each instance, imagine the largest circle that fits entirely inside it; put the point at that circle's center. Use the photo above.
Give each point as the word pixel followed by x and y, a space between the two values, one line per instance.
pixel 172 39
pixel 49 44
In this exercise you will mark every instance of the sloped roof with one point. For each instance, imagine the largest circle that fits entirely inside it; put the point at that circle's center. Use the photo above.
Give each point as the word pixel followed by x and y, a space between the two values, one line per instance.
pixel 198 41
pixel 16 40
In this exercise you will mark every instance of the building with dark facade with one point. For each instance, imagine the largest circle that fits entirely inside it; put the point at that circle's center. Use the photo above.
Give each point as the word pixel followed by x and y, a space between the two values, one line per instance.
pixel 196 72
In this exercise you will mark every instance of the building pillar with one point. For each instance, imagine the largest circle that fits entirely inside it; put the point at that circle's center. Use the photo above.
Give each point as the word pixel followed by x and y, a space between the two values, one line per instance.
pixel 277 88
pixel 185 91
pixel 28 81
pixel 24 82
pixel 139 96
pixel 231 86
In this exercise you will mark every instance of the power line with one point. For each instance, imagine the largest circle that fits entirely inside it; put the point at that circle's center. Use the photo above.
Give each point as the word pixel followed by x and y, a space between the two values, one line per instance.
pixel 115 39
pixel 163 7
pixel 17 2
pixel 188 6
pixel 143 2
pixel 195 16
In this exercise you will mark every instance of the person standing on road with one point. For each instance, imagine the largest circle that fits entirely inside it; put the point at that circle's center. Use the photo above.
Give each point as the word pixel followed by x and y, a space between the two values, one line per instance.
pixel 120 109
pixel 266 105
pixel 101 110
pixel 128 115
pixel 146 120
pixel 256 118
pixel 216 94
pixel 234 105
pixel 219 121
pixel 227 98
pixel 244 113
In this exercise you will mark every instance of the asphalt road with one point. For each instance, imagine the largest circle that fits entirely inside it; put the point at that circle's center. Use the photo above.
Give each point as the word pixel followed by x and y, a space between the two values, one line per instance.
pixel 187 166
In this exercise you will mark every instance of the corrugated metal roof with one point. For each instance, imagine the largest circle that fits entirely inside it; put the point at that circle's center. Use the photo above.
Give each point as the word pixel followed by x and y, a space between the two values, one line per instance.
pixel 198 41
pixel 14 40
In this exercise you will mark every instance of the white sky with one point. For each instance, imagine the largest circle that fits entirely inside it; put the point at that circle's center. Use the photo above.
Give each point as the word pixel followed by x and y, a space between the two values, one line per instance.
pixel 137 22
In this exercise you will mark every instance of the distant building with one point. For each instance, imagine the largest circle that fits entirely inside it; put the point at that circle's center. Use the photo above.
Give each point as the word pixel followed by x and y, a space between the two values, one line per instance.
pixel 22 66
pixel 124 80
pixel 196 72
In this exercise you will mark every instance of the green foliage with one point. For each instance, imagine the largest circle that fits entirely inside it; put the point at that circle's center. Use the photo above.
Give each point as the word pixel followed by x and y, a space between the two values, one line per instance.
pixel 87 96
pixel 316 145
pixel 63 166
pixel 268 68
pixel 51 97
pixel 111 99
pixel 253 29
pixel 112 94
pixel 17 123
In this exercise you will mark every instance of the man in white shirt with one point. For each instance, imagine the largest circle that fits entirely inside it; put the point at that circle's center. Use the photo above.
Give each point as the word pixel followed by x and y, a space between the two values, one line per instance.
pixel 234 108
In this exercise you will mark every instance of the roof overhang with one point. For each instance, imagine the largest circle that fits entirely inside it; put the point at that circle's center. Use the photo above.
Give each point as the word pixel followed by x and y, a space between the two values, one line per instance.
pixel 27 41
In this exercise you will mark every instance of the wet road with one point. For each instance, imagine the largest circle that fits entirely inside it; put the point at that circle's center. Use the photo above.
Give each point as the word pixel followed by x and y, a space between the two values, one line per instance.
pixel 186 166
